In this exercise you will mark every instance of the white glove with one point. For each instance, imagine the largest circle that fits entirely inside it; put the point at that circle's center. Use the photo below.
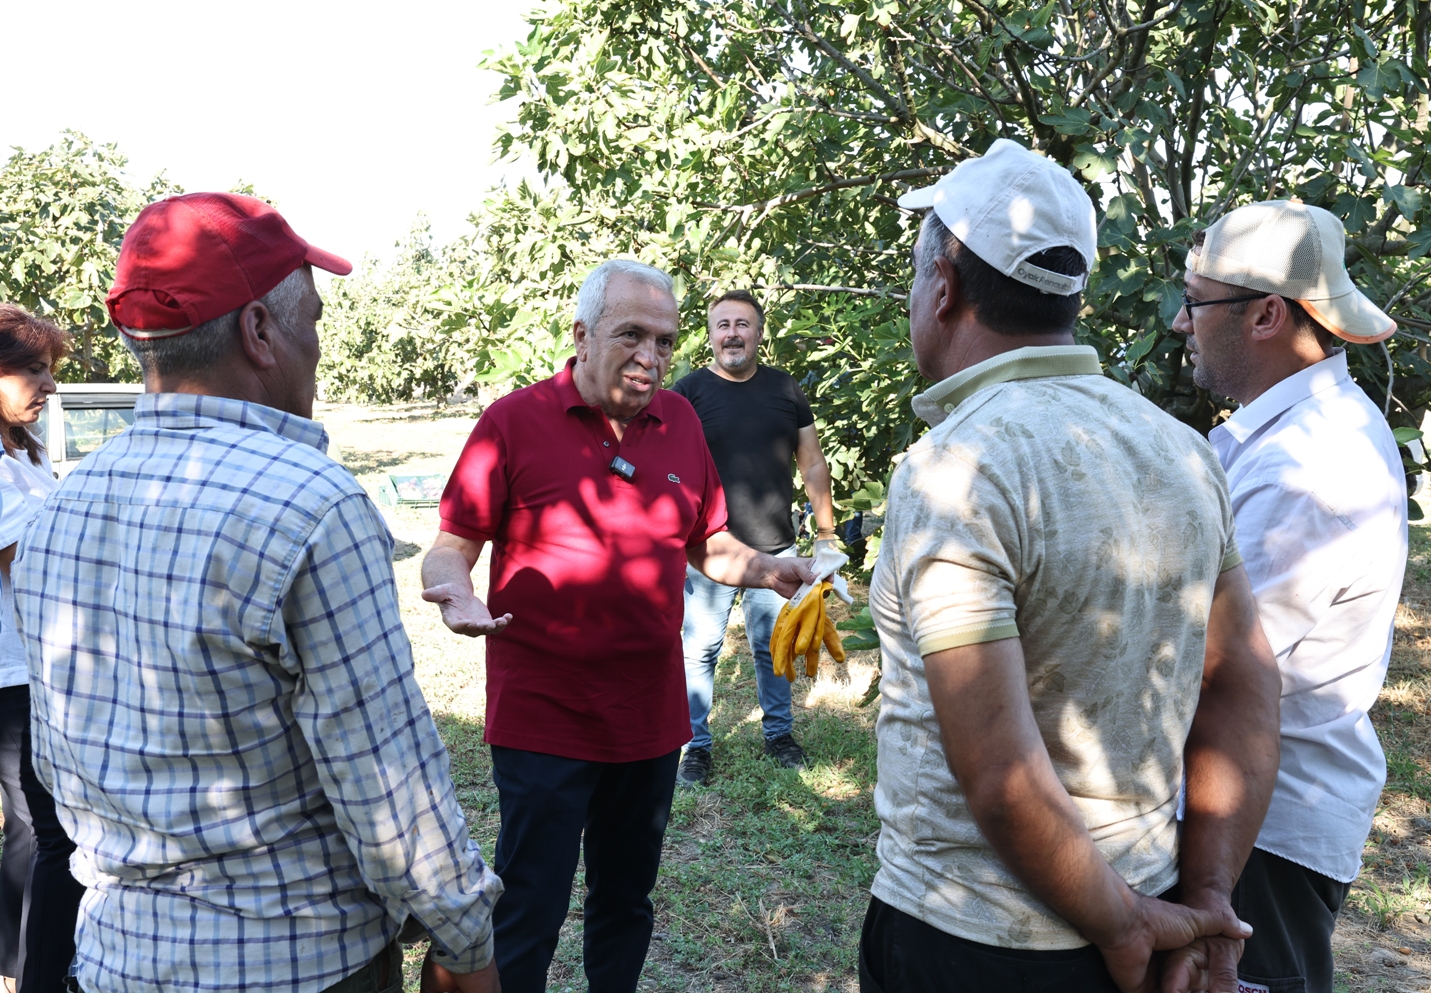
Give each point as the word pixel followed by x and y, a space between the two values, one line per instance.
pixel 828 562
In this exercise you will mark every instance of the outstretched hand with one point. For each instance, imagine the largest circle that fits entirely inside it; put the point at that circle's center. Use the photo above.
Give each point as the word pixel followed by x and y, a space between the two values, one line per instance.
pixel 1163 926
pixel 463 612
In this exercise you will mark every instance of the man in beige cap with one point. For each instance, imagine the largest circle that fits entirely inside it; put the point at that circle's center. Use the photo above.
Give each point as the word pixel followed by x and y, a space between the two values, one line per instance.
pixel 1066 630
pixel 1320 501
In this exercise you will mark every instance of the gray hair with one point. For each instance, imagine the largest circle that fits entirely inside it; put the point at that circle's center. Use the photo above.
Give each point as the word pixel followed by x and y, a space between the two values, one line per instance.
pixel 939 243
pixel 208 343
pixel 591 299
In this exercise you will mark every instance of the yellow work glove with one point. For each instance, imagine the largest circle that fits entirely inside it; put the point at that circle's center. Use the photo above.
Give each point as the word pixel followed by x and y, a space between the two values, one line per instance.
pixel 832 641
pixel 801 631
pixel 789 626
pixel 782 642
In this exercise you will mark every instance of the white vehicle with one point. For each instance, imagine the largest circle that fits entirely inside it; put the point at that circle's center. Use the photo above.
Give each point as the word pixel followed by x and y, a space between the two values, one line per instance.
pixel 83 416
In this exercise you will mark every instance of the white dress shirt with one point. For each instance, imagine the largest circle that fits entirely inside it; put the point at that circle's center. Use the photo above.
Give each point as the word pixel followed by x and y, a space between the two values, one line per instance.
pixel 1319 496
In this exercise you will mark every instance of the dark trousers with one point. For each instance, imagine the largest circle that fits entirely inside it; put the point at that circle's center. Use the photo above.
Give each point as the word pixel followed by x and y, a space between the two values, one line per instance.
pixel 902 954
pixel 19 835
pixel 39 899
pixel 382 975
pixel 1292 911
pixel 548 803
pixel 52 896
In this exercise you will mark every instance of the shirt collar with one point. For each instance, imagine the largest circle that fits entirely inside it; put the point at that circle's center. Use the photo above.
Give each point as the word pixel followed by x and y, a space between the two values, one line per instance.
pixel 186 411
pixel 571 398
pixel 1304 385
pixel 1029 362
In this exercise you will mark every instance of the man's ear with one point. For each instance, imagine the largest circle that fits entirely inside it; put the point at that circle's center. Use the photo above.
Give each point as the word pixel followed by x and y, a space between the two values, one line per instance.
pixel 1270 317
pixel 581 336
pixel 950 293
pixel 257 331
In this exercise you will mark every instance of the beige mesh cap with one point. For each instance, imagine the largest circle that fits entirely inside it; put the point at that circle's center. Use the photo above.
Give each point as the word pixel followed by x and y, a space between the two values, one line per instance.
pixel 1297 251
pixel 1009 204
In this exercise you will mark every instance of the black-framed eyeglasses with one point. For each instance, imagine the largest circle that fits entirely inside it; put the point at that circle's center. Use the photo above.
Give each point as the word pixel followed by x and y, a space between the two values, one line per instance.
pixel 1190 303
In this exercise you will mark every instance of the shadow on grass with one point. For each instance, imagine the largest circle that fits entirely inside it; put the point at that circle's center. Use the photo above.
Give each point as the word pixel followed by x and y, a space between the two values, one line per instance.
pixel 765 872
pixel 361 463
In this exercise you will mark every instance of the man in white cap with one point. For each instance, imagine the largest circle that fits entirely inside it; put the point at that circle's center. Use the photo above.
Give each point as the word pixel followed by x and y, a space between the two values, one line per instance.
pixel 1320 501
pixel 1066 628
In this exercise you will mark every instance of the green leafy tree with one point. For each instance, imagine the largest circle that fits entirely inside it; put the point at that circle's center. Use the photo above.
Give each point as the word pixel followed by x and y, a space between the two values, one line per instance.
pixel 63 214
pixel 764 143
pixel 384 339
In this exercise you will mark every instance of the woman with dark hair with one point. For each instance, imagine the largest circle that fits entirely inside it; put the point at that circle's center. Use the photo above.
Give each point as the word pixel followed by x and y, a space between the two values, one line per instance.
pixel 36 888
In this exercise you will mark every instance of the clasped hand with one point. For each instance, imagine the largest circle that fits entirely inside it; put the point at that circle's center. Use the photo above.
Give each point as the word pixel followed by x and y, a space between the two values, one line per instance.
pixel 1204 942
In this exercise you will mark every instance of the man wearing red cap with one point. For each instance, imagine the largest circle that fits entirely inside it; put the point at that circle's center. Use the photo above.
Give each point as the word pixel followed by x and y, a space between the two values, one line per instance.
pixel 1319 496
pixel 226 711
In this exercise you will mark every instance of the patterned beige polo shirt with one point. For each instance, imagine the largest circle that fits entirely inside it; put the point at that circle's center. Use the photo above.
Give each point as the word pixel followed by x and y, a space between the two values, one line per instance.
pixel 1052 504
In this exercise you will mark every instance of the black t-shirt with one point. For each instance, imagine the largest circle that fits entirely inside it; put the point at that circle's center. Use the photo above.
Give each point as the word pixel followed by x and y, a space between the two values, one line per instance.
pixel 752 429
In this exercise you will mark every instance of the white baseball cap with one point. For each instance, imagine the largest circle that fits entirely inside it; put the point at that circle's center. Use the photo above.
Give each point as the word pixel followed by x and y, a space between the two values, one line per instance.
pixel 1291 249
pixel 1009 204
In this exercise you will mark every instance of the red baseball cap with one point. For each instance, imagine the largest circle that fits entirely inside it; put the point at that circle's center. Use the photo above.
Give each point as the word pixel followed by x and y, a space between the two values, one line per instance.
pixel 191 258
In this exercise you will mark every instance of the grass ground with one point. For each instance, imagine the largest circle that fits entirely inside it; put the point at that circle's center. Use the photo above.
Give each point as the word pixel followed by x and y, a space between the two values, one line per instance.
pixel 765 872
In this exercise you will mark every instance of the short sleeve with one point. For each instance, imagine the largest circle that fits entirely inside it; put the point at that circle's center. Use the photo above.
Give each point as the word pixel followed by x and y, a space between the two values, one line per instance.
pixel 15 513
pixel 804 416
pixel 17 510
pixel 1217 483
pixel 1231 557
pixel 956 545
pixel 713 517
pixel 474 501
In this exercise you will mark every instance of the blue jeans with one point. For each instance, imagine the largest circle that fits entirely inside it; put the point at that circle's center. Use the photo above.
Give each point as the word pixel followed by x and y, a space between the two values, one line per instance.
pixel 708 606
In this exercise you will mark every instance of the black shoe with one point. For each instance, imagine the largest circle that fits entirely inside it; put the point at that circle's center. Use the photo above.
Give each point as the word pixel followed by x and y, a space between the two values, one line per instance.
pixel 695 767
pixel 786 751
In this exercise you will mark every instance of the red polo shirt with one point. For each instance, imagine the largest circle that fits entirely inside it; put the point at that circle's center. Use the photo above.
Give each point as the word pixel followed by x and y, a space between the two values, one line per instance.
pixel 592 568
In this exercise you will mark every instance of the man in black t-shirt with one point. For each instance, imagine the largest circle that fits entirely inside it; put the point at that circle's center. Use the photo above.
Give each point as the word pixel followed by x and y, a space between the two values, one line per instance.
pixel 756 420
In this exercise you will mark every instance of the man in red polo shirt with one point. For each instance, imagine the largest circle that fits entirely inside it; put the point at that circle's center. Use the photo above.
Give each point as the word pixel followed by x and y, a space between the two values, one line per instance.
pixel 596 489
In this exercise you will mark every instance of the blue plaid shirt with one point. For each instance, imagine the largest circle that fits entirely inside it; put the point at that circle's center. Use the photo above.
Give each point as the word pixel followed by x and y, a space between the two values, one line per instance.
pixel 226 713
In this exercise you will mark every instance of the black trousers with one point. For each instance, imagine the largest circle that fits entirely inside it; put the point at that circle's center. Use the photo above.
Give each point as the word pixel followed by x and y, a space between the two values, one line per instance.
pixel 39 899
pixel 548 804
pixel 1292 910
pixel 902 954
pixel 52 896
pixel 19 834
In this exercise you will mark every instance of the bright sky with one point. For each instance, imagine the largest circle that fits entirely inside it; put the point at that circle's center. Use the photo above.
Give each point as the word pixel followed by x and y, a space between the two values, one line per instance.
pixel 352 117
